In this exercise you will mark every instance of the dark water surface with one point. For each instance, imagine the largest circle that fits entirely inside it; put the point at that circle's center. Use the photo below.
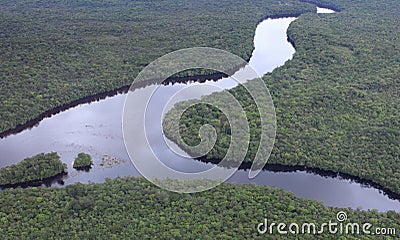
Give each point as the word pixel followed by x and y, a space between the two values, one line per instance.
pixel 95 128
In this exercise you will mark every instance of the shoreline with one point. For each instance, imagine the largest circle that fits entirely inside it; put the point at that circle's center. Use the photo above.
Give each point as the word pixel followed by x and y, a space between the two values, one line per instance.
pixel 48 181
pixel 196 78
pixel 322 5
pixel 103 95
pixel 124 89
pixel 279 168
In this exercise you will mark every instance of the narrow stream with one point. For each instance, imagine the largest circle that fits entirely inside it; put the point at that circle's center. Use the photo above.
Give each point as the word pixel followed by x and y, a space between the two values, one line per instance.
pixel 95 128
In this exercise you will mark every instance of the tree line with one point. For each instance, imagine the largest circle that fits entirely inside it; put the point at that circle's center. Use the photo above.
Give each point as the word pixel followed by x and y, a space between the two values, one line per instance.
pixel 55 53
pixel 133 208
pixel 336 101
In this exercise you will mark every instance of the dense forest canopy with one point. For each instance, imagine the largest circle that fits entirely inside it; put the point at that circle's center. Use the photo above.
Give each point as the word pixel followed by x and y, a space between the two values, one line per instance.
pixel 55 52
pixel 337 101
pixel 133 208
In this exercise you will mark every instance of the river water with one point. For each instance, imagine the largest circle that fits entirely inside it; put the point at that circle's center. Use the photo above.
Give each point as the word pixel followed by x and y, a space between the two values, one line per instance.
pixel 95 128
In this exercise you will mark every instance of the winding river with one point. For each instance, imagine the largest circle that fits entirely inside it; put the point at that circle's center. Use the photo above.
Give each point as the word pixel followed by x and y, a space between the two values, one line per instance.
pixel 95 128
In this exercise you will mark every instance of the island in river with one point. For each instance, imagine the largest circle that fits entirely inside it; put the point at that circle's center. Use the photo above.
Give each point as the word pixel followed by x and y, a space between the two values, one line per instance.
pixel 32 171
pixel 133 208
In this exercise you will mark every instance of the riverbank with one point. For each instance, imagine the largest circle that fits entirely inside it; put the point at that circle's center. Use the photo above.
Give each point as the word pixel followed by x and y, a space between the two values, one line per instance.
pixel 65 134
pixel 329 99
pixel 274 167
pixel 85 61
pixel 104 95
pixel 125 208
pixel 124 89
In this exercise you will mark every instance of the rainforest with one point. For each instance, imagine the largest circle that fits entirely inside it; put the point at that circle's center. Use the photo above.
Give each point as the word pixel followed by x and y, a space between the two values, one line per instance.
pixel 66 68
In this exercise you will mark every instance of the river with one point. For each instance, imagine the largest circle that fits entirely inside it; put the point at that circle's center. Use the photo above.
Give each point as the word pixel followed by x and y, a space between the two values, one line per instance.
pixel 95 128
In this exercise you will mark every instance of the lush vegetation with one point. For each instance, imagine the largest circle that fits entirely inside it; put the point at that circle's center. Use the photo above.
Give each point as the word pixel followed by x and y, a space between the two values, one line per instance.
pixel 337 101
pixel 83 160
pixel 32 169
pixel 133 208
pixel 56 52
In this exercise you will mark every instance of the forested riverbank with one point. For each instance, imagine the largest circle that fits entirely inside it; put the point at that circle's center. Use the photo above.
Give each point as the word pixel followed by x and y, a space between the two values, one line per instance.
pixel 336 101
pixel 133 208
pixel 336 104
pixel 55 54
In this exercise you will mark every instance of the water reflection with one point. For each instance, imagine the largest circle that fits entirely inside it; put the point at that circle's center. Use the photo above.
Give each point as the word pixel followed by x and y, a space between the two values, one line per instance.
pixel 95 128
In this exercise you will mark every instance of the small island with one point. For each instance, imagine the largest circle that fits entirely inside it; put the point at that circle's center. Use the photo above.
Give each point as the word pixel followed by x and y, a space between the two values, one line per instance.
pixel 83 162
pixel 32 170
